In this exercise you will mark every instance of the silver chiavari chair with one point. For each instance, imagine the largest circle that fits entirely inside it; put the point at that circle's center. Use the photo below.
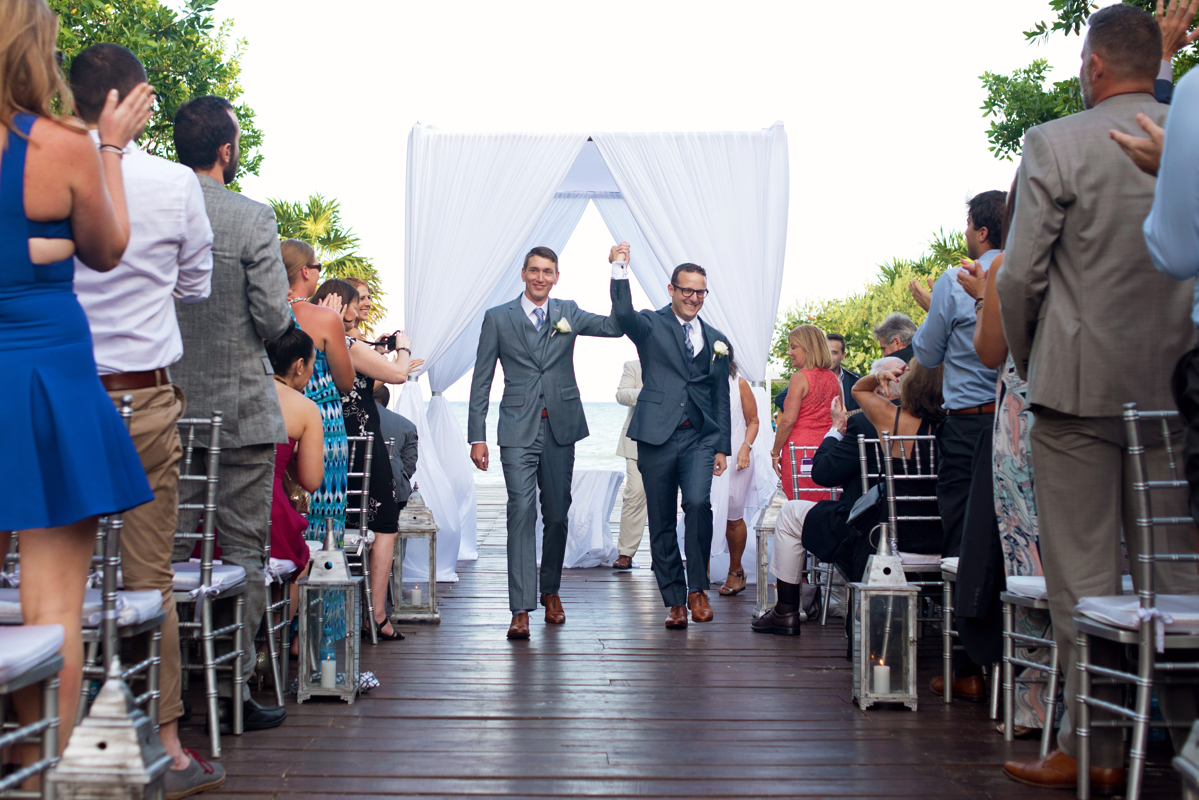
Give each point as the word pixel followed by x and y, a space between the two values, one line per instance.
pixel 1024 592
pixel 358 543
pixel 816 569
pixel 276 625
pixel 29 655
pixel 1141 623
pixel 199 586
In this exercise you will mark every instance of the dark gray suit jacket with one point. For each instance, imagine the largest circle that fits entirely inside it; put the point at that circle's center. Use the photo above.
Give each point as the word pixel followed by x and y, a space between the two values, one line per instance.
pixel 535 378
pixel 224 365
pixel 403 454
pixel 667 378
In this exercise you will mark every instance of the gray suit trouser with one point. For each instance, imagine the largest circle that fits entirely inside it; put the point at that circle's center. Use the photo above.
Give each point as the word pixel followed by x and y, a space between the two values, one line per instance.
pixel 547 465
pixel 243 518
pixel 1082 476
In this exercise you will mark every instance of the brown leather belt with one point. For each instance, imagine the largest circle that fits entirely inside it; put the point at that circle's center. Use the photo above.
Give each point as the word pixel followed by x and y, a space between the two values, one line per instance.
pixel 985 408
pixel 685 423
pixel 122 381
pixel 545 413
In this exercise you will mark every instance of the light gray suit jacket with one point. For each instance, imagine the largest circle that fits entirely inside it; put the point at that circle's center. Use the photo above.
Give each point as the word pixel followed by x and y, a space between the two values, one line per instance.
pixel 535 378
pixel 1089 322
pixel 404 454
pixel 224 366
pixel 626 394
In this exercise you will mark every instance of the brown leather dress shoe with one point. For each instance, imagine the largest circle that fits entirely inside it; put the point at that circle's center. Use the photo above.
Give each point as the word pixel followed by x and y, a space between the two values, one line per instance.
pixel 519 629
pixel 971 688
pixel 677 617
pixel 624 562
pixel 700 610
pixel 1060 771
pixel 554 615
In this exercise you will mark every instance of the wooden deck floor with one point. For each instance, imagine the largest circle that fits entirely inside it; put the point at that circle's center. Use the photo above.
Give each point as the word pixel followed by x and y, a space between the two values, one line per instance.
pixel 614 705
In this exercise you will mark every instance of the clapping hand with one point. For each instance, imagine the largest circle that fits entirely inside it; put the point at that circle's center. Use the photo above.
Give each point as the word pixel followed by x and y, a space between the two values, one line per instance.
pixel 619 252
pixel 840 418
pixel 1145 153
pixel 973 278
pixel 123 121
pixel 922 296
pixel 332 301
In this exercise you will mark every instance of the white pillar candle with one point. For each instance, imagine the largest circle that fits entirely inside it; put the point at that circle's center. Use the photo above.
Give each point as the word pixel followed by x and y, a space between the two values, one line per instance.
pixel 416 601
pixel 882 679
pixel 329 674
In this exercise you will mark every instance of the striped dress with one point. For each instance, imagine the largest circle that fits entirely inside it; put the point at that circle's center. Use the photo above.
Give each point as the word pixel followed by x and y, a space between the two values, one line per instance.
pixel 329 500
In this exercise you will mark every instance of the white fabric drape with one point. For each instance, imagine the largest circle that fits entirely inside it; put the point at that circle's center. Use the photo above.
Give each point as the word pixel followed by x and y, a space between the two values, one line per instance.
pixel 718 200
pixel 645 266
pixel 589 541
pixel 472 202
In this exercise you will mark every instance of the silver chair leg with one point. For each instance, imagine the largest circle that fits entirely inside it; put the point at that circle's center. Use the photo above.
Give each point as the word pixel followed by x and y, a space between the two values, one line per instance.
pixel 366 582
pixel 947 639
pixel 1140 722
pixel 89 659
pixel 240 638
pixel 152 675
pixel 50 736
pixel 272 648
pixel 1082 725
pixel 995 691
pixel 763 574
pixel 1050 701
pixel 208 648
pixel 1009 685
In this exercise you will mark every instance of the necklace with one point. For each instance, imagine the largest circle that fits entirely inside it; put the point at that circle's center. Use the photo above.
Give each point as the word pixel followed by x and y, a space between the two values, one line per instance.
pixel 280 380
pixel 295 300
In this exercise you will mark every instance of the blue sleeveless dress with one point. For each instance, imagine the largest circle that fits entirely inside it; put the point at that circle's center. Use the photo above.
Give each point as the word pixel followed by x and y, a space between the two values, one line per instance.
pixel 65 453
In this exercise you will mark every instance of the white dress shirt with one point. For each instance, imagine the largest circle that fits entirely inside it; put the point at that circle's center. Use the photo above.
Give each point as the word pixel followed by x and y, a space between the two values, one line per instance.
pixel 530 307
pixel 620 272
pixel 130 309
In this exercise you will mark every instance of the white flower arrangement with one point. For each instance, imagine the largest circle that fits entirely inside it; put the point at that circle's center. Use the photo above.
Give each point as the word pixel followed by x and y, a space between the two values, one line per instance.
pixel 561 326
pixel 719 349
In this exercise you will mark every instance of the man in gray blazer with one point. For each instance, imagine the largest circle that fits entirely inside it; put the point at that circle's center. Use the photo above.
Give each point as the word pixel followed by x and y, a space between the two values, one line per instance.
pixel 225 367
pixel 541 418
pixel 632 511
pixel 1093 325
pixel 404 452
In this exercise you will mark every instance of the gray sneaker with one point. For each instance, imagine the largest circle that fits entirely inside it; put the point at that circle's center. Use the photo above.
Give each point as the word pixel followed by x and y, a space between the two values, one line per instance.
pixel 200 776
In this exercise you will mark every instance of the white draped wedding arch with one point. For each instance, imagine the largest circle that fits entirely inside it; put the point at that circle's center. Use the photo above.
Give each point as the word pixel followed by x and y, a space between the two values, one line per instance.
pixel 477 202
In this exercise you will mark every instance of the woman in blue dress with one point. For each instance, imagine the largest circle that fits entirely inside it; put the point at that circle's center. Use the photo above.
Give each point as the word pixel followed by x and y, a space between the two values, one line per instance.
pixel 67 458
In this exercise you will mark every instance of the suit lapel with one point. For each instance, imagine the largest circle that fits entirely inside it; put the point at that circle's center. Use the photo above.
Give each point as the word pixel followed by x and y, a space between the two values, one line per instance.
pixel 516 315
pixel 553 314
pixel 709 342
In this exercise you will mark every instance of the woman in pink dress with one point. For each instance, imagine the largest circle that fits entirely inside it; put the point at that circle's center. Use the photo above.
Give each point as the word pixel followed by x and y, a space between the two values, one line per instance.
pixel 807 411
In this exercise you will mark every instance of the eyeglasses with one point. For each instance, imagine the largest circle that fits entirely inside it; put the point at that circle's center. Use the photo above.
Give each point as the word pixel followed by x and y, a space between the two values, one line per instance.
pixel 689 293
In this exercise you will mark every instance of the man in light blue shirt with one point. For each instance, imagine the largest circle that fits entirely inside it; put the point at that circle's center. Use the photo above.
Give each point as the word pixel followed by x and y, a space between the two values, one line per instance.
pixel 947 338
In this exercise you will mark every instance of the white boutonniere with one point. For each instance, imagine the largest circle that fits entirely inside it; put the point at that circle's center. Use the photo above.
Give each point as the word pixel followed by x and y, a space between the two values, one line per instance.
pixel 561 326
pixel 719 349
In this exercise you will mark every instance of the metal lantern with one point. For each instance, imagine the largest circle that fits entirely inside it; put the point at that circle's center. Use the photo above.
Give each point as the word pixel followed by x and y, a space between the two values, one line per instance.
pixel 329 615
pixel 767 520
pixel 115 752
pixel 415 600
pixel 884 631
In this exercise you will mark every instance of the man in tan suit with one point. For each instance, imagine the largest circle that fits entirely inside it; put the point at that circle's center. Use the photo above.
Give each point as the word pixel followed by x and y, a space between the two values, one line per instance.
pixel 1092 325
pixel 632 512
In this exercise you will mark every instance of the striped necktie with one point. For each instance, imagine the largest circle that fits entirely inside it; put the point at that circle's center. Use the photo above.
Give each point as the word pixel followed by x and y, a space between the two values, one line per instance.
pixel 687 339
pixel 540 314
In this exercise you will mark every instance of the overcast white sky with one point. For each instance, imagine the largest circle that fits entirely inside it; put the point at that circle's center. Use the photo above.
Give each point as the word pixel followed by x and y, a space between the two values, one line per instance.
pixel 880 102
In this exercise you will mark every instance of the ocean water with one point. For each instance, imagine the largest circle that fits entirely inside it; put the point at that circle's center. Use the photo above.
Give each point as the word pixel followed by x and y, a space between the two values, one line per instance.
pixel 597 451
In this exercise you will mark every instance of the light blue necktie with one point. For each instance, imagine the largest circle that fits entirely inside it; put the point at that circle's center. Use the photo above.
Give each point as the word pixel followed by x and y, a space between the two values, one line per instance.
pixel 687 339
pixel 540 314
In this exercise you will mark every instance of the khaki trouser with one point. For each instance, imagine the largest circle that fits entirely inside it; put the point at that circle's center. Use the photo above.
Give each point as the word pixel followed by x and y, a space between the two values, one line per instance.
pixel 1082 477
pixel 149 530
pixel 632 511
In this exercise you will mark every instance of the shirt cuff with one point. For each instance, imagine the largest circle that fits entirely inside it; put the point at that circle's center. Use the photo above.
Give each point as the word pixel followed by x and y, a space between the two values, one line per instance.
pixel 1166 73
pixel 836 434
pixel 620 271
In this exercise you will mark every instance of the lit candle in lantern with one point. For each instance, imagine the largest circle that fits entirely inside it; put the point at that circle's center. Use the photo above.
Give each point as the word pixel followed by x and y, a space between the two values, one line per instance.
pixel 329 674
pixel 416 601
pixel 882 678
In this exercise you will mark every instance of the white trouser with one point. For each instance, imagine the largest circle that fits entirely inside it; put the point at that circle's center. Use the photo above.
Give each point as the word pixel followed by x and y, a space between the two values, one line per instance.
pixel 633 513
pixel 789 557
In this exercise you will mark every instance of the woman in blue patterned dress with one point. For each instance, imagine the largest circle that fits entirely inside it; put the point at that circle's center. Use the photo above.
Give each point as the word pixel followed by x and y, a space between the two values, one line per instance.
pixel 66 458
pixel 332 374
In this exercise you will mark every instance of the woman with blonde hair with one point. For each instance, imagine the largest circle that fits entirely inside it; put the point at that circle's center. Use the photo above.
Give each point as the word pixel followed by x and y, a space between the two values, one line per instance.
pixel 68 458
pixel 807 412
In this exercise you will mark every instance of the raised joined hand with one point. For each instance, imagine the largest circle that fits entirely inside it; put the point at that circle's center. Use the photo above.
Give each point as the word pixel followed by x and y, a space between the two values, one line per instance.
pixel 620 252
pixel 121 122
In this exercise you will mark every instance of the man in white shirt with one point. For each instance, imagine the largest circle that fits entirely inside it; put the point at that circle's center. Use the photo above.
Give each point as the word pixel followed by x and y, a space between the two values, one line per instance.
pixel 131 311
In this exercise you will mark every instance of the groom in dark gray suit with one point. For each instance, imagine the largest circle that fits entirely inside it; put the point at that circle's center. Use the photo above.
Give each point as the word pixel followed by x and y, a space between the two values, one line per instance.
pixel 541 418
pixel 681 426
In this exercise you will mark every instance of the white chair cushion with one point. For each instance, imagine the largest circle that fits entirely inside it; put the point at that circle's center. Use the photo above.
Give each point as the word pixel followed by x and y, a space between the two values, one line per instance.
pixel 1121 611
pixel 23 647
pixel 132 607
pixel 950 565
pixel 919 559
pixel 282 567
pixel 1033 586
pixel 224 576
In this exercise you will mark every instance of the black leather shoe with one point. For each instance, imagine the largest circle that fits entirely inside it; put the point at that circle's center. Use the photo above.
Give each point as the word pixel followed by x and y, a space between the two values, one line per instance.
pixel 774 622
pixel 254 716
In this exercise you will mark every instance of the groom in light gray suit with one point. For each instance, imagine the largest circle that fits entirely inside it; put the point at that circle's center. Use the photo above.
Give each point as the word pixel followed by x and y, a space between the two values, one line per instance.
pixel 541 418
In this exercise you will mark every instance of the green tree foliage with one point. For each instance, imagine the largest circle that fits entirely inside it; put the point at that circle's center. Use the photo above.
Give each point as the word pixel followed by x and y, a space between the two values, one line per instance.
pixel 1022 100
pixel 185 54
pixel 318 222
pixel 854 317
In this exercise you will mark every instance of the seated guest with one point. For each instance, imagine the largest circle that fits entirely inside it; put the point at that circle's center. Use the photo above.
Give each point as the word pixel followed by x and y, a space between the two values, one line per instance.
pixel 362 417
pixel 827 520
pixel 292 357
pixel 67 456
pixel 806 413
pixel 894 335
pixel 402 431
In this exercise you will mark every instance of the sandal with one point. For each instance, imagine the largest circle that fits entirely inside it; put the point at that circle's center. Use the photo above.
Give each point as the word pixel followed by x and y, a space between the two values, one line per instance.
pixel 729 589
pixel 394 636
pixel 1020 731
